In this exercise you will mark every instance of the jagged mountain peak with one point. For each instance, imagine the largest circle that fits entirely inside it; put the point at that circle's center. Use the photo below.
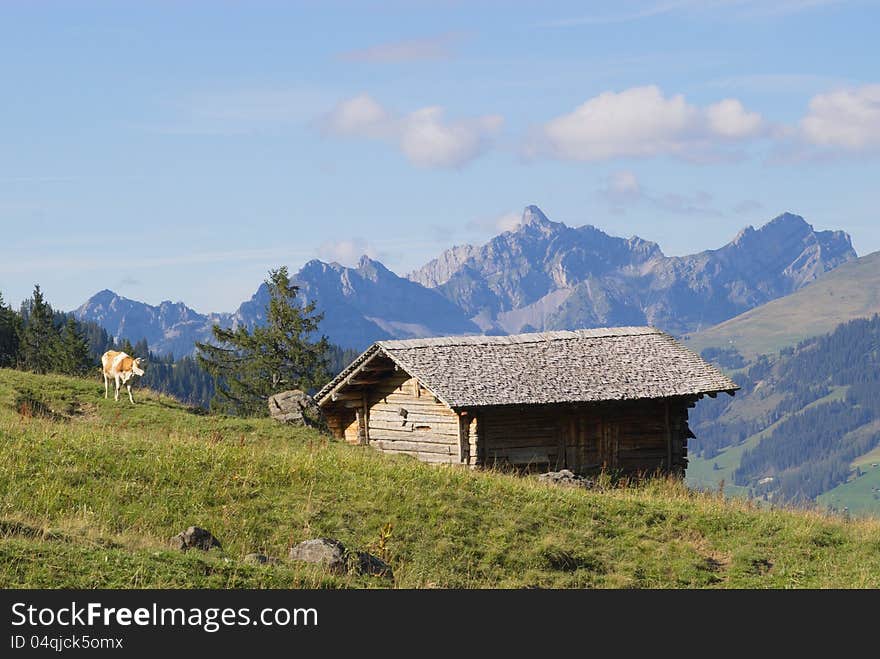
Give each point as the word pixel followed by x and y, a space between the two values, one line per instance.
pixel 789 225
pixel 532 215
pixel 789 219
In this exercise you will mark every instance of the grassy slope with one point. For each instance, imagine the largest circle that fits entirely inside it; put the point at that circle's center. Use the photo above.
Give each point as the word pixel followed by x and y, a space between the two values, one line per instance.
pixel 861 494
pixel 92 501
pixel 848 292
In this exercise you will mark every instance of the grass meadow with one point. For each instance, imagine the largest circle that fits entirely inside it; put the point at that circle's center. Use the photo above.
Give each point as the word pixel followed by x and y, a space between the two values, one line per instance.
pixel 91 491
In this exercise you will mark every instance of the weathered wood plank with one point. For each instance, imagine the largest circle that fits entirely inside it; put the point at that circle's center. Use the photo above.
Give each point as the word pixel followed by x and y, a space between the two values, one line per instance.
pixel 426 457
pixel 426 438
pixel 416 418
pixel 519 456
pixel 417 429
pixel 420 447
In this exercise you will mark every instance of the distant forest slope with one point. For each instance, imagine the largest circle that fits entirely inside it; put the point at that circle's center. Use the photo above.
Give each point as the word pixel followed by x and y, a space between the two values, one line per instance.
pixel 850 291
pixel 800 423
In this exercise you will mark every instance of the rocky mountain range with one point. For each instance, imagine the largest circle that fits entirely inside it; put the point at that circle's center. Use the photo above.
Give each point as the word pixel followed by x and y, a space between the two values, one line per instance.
pixel 546 275
pixel 360 305
pixel 541 275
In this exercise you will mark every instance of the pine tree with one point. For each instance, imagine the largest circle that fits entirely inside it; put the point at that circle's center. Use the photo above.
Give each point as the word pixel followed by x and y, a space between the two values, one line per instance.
pixel 10 327
pixel 39 348
pixel 249 366
pixel 141 349
pixel 74 358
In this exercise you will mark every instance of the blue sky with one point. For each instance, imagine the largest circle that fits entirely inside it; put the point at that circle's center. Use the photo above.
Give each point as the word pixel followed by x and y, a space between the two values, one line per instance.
pixel 172 150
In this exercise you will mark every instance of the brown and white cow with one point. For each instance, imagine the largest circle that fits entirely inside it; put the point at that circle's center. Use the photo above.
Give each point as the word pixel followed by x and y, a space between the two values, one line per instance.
pixel 119 367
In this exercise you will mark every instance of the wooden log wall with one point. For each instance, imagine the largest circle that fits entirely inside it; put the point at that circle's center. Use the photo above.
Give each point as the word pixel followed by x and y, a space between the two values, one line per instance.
pixel 429 431
pixel 628 437
pixel 633 436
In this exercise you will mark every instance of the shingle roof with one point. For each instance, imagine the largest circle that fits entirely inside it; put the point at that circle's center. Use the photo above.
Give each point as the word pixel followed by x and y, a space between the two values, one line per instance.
pixel 620 363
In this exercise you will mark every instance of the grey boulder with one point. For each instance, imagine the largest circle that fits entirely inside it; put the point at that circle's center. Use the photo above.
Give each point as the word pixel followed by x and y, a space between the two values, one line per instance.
pixel 333 555
pixel 295 407
pixel 322 551
pixel 373 565
pixel 566 478
pixel 195 538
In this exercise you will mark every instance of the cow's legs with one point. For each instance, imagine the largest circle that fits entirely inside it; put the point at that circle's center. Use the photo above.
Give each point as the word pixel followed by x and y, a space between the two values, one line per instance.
pixel 106 386
pixel 128 386
pixel 116 379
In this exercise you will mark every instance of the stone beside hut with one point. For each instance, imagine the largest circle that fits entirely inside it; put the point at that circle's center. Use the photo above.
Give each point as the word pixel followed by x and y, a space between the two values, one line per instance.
pixel 583 400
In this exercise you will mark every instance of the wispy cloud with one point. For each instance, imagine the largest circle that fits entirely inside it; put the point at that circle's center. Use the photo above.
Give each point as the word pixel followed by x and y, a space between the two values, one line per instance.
pixel 238 111
pixel 438 47
pixel 40 179
pixel 495 223
pixel 781 83
pixel 426 137
pixel 748 206
pixel 636 11
pixel 623 189
pixel 346 252
pixel 26 263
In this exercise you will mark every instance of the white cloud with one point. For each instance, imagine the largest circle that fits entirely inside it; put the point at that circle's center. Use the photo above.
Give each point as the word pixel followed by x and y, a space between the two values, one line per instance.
pixel 845 119
pixel 496 223
pixel 346 252
pixel 642 122
pixel 428 141
pixel 425 136
pixel 439 47
pixel 359 115
pixel 730 119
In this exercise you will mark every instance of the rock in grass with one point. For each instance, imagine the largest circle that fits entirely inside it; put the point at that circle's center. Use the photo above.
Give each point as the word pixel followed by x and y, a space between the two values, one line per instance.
pixel 296 408
pixel 322 551
pixel 566 478
pixel 260 559
pixel 373 565
pixel 195 538
pixel 333 555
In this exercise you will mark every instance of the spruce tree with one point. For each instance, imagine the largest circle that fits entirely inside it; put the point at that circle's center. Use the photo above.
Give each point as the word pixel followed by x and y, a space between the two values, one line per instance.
pixel 39 349
pixel 249 366
pixel 74 358
pixel 10 323
pixel 141 349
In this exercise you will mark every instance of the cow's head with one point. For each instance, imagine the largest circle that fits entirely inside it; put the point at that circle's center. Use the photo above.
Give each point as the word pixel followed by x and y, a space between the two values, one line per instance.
pixel 136 367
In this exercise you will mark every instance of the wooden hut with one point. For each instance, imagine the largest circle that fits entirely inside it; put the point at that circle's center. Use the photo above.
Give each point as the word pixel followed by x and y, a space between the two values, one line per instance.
pixel 583 400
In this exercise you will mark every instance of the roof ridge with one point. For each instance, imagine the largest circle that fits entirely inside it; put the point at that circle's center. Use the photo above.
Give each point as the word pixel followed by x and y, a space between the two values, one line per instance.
pixel 507 339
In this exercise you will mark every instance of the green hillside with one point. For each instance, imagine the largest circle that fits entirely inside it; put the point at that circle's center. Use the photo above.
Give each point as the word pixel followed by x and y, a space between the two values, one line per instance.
pixel 91 491
pixel 847 292
pixel 804 427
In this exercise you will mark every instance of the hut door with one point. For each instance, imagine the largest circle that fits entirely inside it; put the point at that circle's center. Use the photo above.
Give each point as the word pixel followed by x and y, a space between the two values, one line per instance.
pixel 574 454
pixel 609 441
